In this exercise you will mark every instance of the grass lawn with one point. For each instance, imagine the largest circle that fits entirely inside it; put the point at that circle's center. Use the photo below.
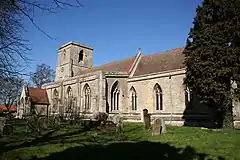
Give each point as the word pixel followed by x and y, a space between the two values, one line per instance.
pixel 72 142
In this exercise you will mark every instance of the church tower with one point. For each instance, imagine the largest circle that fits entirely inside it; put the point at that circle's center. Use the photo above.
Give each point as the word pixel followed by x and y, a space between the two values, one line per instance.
pixel 73 57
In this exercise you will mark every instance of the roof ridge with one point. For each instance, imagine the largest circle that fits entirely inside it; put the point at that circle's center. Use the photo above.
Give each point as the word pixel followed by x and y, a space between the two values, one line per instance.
pixel 168 50
pixel 165 51
pixel 37 88
pixel 126 63
pixel 115 61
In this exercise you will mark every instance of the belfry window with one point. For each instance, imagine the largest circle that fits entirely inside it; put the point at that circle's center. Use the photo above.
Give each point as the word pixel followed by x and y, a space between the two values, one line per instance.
pixel 64 55
pixel 80 56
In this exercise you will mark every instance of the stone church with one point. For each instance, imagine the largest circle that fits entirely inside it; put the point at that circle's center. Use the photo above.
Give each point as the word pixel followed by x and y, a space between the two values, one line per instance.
pixel 125 87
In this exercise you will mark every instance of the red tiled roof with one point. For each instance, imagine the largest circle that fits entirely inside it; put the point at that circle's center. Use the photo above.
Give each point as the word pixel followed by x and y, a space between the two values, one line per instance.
pixel 117 66
pixel 38 95
pixel 159 62
pixel 12 108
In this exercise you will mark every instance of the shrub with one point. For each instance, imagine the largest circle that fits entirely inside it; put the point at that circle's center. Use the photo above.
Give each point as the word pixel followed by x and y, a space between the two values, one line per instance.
pixel 101 117
pixel 8 129
pixel 42 123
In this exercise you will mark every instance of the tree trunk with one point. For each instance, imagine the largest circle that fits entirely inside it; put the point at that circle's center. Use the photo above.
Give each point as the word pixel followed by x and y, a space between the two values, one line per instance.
pixel 228 117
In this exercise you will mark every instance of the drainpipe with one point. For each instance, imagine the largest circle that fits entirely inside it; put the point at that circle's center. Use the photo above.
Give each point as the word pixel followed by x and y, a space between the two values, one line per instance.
pixel 170 88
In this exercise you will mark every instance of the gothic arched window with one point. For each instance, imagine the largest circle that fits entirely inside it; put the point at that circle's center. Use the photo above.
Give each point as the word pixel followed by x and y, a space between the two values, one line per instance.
pixel 80 56
pixel 55 100
pixel 158 97
pixel 69 99
pixel 22 104
pixel 55 94
pixel 115 92
pixel 133 98
pixel 87 96
pixel 69 92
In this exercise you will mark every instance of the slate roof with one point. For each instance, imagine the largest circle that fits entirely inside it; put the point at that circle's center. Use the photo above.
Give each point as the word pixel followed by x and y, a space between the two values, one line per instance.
pixel 38 95
pixel 117 66
pixel 159 62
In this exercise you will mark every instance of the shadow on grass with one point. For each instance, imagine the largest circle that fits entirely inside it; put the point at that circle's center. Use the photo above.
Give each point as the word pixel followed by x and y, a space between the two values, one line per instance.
pixel 46 138
pixel 128 151
pixel 103 145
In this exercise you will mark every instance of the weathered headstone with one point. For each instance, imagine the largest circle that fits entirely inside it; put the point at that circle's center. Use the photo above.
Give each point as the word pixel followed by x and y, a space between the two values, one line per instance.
pixel 158 127
pixel 119 127
pixel 163 130
pixel 2 124
pixel 147 121
pixel 8 129
pixel 110 124
pixel 116 119
pixel 42 123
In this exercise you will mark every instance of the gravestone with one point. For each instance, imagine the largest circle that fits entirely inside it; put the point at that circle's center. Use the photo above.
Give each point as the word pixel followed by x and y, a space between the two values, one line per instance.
pixel 2 124
pixel 116 118
pixel 110 124
pixel 8 129
pixel 147 121
pixel 43 123
pixel 158 127
pixel 119 127
pixel 163 130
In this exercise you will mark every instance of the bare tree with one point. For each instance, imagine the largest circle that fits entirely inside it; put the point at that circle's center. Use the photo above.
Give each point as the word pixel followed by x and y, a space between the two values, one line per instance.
pixel 42 75
pixel 13 46
pixel 10 90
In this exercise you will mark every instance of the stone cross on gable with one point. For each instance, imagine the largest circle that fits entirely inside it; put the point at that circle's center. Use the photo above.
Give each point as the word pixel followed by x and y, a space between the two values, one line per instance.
pixel 139 50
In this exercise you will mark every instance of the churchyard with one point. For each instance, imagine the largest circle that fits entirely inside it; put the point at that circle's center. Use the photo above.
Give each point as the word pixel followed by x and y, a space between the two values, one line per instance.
pixel 71 140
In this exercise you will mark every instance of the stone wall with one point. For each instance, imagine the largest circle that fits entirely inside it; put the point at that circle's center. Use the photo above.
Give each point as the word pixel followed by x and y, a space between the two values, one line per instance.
pixel 41 109
pixel 172 89
pixel 122 82
pixel 175 109
pixel 77 85
pixel 68 63
pixel 175 105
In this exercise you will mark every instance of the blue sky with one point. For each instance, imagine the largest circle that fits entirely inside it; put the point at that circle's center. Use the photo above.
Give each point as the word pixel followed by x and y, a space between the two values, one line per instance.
pixel 114 28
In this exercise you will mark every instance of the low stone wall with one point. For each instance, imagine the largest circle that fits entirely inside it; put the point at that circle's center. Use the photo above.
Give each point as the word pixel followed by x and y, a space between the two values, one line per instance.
pixel 127 117
pixel 237 122
pixel 84 115
pixel 177 119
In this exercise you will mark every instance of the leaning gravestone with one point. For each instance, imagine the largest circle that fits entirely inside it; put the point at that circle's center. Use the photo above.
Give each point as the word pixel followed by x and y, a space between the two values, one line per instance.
pixel 163 130
pixel 2 124
pixel 158 127
pixel 146 117
pixel 116 118
pixel 119 127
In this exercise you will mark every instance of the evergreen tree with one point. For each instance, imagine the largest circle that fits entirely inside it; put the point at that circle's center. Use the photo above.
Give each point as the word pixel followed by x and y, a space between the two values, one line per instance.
pixel 212 56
